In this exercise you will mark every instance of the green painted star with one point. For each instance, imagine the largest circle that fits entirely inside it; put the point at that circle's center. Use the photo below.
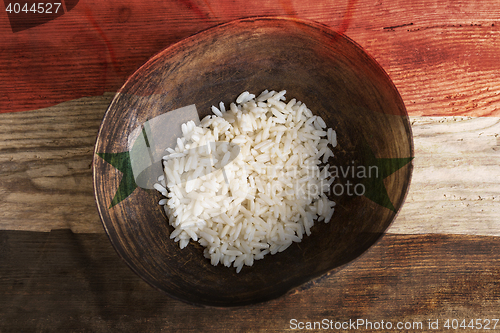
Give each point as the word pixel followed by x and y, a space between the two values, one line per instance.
pixel 121 161
pixel 375 188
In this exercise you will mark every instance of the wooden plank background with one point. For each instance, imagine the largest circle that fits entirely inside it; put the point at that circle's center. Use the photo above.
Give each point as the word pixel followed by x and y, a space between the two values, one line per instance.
pixel 46 155
pixel 439 260
pixel 65 282
pixel 442 54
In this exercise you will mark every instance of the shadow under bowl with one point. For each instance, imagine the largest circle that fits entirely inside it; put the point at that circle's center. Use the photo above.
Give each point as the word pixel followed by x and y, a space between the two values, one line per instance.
pixel 327 71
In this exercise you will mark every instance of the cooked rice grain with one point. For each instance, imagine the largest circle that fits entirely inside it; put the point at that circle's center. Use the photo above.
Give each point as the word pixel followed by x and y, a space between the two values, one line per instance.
pixel 263 200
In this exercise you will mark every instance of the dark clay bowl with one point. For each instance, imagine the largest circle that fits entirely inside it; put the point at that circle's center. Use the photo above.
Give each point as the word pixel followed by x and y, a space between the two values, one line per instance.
pixel 327 71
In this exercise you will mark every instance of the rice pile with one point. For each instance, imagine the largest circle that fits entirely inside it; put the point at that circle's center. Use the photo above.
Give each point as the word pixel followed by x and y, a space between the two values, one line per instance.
pixel 264 199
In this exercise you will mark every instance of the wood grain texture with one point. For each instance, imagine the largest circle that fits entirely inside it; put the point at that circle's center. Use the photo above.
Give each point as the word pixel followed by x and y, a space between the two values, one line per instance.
pixel 455 184
pixel 442 55
pixel 45 166
pixel 62 282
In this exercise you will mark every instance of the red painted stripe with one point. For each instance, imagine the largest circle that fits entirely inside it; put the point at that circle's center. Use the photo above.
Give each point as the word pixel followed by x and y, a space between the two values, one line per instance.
pixel 96 45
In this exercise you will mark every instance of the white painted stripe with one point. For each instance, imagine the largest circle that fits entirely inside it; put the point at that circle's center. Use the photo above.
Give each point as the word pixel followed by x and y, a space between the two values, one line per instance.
pixel 455 186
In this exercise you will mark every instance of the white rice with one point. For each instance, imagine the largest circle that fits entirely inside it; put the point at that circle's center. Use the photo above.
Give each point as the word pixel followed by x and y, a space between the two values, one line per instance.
pixel 263 200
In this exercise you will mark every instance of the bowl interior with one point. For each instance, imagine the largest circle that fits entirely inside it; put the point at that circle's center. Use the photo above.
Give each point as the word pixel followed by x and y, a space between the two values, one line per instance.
pixel 335 78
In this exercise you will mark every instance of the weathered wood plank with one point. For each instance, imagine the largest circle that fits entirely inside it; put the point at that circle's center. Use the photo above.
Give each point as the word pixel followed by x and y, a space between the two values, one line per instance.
pixel 442 55
pixel 455 186
pixel 60 281
pixel 45 166
pixel 45 172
